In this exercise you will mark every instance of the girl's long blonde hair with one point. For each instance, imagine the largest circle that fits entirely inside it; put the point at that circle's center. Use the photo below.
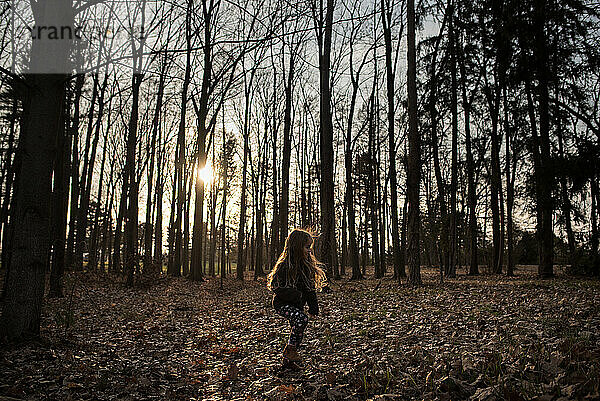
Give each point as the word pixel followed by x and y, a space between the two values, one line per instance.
pixel 298 264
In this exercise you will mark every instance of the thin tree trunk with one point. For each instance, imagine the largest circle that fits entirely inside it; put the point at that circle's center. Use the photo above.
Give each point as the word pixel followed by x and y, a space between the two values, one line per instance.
pixel 324 35
pixel 80 233
pixel 453 248
pixel 93 250
pixel 510 262
pixel 414 156
pixel 472 190
pixel 156 120
pixel 287 149
pixel 275 222
pixel 201 115
pixel 566 206
pixel 75 187
pixel 116 259
pixel 386 17
pixel 213 228
pixel 353 245
pixel 62 166
pixel 240 267
pixel 84 205
pixel 131 226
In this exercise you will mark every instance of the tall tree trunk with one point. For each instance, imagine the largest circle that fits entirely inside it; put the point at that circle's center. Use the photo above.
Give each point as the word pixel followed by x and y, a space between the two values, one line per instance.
pixel 158 227
pixel 386 18
pixel 201 115
pixel 198 233
pixel 353 245
pixel 91 140
pixel 328 243
pixel 84 205
pixel 453 248
pixel 60 204
pixel 414 155
pixel 261 210
pixel 287 150
pixel 372 185
pixel 131 226
pixel 275 222
pixel 180 161
pixel 75 187
pixel 156 120
pixel 543 173
pixel 226 161
pixel 30 237
pixel 93 250
pixel 510 261
pixel 11 168
pixel 471 187
pixel 241 263
pixel 566 205
pixel 435 141
pixel 494 95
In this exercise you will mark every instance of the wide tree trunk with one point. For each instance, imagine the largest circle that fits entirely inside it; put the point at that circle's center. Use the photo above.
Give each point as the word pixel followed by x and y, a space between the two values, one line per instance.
pixel 30 239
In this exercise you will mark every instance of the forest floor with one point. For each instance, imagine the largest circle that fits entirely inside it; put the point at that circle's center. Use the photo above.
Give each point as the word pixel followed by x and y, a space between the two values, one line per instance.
pixel 482 338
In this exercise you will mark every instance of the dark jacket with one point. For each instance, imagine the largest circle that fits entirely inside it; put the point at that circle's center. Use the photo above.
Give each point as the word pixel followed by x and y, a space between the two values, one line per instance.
pixel 296 294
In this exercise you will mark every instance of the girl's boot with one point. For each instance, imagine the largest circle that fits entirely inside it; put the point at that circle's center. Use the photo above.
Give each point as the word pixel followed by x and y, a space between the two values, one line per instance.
pixel 291 354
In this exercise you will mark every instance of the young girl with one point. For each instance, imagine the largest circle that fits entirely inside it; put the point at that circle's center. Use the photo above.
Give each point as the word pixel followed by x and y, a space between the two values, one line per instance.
pixel 294 281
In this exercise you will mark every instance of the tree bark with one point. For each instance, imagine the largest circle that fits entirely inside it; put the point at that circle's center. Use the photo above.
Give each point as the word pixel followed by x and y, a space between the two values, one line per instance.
pixel 544 174
pixel 453 248
pixel 386 18
pixel 414 156
pixel 328 243
pixel 287 150
pixel 60 201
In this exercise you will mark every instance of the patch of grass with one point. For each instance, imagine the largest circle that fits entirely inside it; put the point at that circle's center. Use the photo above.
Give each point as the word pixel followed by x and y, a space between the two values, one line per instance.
pixel 492 367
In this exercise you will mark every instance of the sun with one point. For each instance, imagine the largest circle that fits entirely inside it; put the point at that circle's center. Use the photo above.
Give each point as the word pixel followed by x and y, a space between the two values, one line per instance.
pixel 206 174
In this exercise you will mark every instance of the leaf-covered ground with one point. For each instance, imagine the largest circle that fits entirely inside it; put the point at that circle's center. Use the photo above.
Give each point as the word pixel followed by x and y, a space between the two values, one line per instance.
pixel 483 338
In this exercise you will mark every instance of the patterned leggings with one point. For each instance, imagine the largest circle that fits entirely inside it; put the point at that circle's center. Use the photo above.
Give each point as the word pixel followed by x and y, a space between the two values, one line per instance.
pixel 298 321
